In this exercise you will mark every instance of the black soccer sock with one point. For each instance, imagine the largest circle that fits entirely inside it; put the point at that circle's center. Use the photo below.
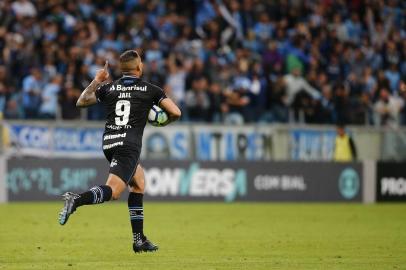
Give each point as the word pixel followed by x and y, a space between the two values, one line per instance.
pixel 136 215
pixel 97 194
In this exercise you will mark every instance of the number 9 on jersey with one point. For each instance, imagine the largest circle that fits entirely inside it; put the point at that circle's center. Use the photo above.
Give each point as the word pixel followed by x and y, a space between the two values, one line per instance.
pixel 157 117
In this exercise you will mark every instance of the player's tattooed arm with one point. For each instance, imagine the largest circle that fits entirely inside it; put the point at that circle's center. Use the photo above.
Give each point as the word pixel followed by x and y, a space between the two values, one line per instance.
pixel 88 96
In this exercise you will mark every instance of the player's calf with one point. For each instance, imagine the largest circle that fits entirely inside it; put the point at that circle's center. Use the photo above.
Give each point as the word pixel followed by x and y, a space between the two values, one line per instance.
pixel 136 210
pixel 96 195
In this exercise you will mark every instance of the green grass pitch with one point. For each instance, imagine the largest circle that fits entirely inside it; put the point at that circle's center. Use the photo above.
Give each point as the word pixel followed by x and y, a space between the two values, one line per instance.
pixel 206 236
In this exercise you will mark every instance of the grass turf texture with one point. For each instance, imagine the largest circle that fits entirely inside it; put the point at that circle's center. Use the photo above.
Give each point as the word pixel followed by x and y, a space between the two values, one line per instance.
pixel 206 236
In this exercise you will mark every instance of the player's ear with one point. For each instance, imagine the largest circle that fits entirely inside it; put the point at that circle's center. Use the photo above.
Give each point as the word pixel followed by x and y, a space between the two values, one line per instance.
pixel 140 67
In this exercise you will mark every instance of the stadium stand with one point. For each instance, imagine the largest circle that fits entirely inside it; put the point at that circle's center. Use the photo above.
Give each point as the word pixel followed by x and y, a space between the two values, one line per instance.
pixel 221 61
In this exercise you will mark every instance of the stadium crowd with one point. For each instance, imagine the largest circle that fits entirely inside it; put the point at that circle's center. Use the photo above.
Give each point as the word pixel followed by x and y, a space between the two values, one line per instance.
pixel 229 61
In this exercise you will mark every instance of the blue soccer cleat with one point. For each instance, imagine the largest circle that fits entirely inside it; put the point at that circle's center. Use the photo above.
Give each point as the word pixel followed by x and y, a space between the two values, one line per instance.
pixel 68 208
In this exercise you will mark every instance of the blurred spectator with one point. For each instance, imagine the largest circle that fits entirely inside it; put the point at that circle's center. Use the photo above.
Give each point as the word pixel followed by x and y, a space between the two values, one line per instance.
pixel 342 103
pixel 387 109
pixel 49 97
pixel 378 32
pixel 196 72
pixel 4 89
pixel 197 101
pixel 353 28
pixel 263 29
pixel 279 111
pixel 344 148
pixel 237 100
pixel 326 112
pixel 295 83
pixel 3 99
pixel 334 69
pixel 272 57
pixel 13 109
pixel 32 88
pixel 153 74
pixel 154 53
pixel 24 8
pixel 403 95
pixel 68 98
pixel 176 81
pixel 217 103
pixel 369 84
pixel 393 76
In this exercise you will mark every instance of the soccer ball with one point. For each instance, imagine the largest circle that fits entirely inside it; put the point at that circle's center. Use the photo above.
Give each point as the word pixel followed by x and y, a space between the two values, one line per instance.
pixel 157 117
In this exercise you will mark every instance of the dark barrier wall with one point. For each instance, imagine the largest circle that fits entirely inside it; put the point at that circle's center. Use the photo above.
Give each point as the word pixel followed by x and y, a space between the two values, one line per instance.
pixel 45 179
pixel 391 181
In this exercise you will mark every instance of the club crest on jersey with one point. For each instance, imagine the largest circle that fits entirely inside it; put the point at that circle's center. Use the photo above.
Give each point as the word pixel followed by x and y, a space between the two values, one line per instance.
pixel 113 163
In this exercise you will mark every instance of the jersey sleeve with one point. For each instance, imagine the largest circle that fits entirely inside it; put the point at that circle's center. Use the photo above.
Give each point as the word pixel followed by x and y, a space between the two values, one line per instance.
pixel 159 95
pixel 101 92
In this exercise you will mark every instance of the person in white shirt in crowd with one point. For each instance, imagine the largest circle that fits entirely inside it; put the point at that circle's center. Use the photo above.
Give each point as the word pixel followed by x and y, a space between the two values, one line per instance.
pixel 175 82
pixel 387 109
pixel 294 83
pixel 24 8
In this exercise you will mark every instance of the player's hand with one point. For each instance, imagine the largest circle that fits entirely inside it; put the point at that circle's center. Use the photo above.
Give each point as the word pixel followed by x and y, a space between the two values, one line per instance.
pixel 102 74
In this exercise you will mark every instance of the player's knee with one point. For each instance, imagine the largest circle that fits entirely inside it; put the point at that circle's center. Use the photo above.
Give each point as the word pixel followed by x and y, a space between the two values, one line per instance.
pixel 138 188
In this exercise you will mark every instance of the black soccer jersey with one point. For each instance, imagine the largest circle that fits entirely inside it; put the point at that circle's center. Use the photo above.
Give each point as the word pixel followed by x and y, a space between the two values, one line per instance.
pixel 127 101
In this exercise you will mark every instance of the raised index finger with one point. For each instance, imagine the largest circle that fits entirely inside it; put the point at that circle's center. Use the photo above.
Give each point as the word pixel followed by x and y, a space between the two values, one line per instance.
pixel 106 65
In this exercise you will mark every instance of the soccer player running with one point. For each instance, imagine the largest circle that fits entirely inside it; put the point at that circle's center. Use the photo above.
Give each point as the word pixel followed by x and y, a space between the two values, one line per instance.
pixel 128 101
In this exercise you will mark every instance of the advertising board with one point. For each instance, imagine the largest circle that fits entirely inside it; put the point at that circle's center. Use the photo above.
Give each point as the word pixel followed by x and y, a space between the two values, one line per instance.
pixel 391 181
pixel 169 180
